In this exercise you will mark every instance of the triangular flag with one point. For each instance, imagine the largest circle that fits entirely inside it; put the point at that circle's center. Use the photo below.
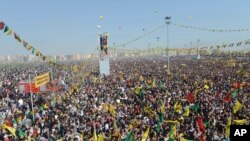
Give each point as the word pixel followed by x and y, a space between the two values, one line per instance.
pixel 6 29
pixel 29 47
pixel 17 37
pixel 2 24
pixel 9 32
pixel 25 43
pixel 33 50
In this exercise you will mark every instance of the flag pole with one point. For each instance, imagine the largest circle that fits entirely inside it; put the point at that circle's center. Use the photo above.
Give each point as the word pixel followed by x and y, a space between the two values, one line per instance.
pixel 31 98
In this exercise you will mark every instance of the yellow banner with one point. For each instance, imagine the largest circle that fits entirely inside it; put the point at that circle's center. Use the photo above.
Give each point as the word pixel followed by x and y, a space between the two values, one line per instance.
pixel 42 80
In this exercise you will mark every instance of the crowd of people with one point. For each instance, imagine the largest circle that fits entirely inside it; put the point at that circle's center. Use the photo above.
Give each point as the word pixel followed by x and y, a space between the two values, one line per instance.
pixel 139 100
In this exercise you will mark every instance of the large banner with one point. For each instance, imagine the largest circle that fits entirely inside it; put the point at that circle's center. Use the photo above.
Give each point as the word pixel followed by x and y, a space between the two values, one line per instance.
pixel 42 80
pixel 104 66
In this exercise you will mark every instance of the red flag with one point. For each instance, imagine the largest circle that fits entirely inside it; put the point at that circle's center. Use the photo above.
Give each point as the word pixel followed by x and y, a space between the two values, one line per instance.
pixel 236 85
pixel 202 137
pixel 227 98
pixel 190 98
pixel 201 125
pixel 2 25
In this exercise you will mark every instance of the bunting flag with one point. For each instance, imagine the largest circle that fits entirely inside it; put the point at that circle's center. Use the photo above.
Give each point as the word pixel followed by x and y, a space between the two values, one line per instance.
pixel 9 32
pixel 33 50
pixel 227 130
pixel 6 29
pixel 240 122
pixel 145 135
pixel 190 97
pixel 237 106
pixel 2 24
pixel 25 43
pixel 201 124
pixel 187 111
pixel 17 37
pixel 29 47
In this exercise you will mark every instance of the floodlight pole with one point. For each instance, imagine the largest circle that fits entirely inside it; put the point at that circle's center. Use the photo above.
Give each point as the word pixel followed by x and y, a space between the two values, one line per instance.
pixel 167 21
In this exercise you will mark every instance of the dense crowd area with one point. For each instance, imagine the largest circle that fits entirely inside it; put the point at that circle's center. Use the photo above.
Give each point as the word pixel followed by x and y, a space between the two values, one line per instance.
pixel 139 100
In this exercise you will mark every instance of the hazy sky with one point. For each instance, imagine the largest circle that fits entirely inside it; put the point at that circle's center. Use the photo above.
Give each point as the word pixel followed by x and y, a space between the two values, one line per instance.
pixel 69 26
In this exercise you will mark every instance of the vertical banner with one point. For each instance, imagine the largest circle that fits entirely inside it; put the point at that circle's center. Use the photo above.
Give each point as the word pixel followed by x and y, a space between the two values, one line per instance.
pixel 104 66
pixel 104 43
pixel 42 79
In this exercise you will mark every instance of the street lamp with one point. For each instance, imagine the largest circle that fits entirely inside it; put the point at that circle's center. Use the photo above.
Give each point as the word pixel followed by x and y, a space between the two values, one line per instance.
pixel 198 57
pixel 167 21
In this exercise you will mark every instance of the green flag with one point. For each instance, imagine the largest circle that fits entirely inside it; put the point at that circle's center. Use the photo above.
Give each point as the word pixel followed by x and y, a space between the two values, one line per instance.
pixel 158 126
pixel 130 136
pixel 234 93
pixel 141 94
pixel 6 29
pixel 21 134
pixel 195 107
pixel 52 103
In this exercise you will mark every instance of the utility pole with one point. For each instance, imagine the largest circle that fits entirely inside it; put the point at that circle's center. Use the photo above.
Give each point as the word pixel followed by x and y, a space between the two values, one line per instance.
pixel 198 51
pixel 167 20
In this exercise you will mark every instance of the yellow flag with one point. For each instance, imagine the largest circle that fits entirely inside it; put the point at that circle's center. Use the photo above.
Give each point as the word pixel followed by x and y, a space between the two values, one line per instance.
pixel 177 107
pixel 206 87
pixel 145 135
pixel 163 106
pixel 94 136
pixel 9 32
pixel 237 106
pixel 186 113
pixel 240 121
pixel 141 78
pixel 154 84
pixel 228 126
pixel 105 107
pixel 112 110
pixel 12 130
pixel 172 121
pixel 100 137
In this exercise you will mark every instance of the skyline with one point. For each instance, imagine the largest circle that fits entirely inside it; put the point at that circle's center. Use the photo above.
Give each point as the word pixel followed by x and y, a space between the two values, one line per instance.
pixel 65 27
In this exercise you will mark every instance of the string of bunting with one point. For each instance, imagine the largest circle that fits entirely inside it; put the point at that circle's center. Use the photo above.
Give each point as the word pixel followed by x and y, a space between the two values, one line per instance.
pixel 141 36
pixel 182 26
pixel 209 29
pixel 8 31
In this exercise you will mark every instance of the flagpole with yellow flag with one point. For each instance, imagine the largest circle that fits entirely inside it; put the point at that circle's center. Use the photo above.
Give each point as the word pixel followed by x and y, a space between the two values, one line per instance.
pixel 145 135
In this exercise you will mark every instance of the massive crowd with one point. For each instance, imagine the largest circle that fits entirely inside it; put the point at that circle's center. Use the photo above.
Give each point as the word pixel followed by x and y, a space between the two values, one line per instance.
pixel 195 101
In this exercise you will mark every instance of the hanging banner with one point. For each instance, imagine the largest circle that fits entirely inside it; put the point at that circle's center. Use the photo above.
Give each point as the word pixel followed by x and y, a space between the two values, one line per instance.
pixel 42 80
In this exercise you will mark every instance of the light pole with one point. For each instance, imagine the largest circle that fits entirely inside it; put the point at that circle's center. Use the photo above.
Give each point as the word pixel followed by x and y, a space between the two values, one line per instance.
pixel 167 20
pixel 198 57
